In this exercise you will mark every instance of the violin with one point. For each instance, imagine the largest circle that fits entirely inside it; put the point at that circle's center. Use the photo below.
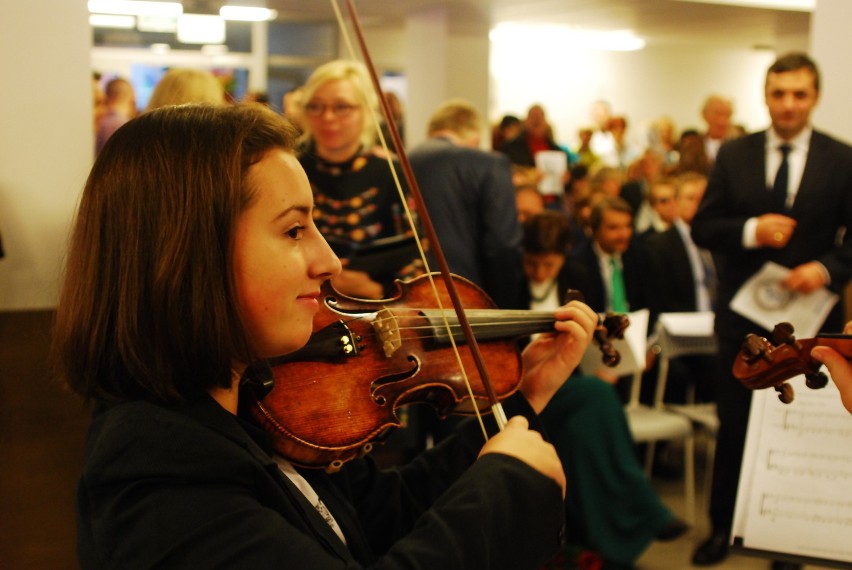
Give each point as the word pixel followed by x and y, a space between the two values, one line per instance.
pixel 764 364
pixel 366 358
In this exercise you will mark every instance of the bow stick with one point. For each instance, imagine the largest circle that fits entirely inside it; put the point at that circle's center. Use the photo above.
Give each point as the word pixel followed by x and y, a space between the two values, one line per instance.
pixel 496 407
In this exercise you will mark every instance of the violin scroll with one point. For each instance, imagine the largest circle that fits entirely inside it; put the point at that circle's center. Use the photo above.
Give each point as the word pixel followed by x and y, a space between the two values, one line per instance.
pixel 764 364
pixel 610 326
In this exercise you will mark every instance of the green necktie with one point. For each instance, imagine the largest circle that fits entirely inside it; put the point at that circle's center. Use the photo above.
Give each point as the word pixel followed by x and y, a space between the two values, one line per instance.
pixel 619 297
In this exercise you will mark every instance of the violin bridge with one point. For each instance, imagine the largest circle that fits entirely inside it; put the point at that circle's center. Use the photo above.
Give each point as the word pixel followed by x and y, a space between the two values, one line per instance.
pixel 387 329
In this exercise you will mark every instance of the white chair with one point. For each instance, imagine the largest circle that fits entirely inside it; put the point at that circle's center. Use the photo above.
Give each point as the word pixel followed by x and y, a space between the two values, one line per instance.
pixel 688 334
pixel 650 424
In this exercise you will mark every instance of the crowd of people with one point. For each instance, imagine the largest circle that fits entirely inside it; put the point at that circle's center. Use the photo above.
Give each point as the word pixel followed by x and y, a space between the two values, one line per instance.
pixel 177 295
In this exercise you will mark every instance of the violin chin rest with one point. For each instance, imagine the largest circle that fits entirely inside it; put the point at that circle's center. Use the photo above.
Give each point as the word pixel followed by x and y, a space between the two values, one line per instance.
pixel 260 378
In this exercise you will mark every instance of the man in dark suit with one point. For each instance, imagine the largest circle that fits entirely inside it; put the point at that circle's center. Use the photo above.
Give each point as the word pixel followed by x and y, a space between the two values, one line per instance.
pixel 685 282
pixel 781 195
pixel 471 201
pixel 590 266
pixel 685 272
pixel 612 248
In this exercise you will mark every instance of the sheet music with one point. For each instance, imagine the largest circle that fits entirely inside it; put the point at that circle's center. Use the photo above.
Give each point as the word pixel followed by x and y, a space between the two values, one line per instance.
pixel 795 490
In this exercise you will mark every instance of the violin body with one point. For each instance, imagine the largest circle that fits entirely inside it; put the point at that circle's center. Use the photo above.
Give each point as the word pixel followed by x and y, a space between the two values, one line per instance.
pixel 763 364
pixel 366 358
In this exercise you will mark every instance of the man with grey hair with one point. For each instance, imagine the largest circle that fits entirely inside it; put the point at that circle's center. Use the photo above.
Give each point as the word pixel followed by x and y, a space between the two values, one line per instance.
pixel 716 112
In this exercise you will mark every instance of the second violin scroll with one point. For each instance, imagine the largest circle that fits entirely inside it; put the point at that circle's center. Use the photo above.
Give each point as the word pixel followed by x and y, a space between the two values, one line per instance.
pixel 769 363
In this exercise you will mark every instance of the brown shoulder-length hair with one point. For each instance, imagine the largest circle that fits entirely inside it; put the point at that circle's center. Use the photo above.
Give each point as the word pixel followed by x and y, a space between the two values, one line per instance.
pixel 148 306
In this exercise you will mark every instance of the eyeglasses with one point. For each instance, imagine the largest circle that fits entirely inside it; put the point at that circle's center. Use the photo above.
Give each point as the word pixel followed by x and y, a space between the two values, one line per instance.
pixel 315 109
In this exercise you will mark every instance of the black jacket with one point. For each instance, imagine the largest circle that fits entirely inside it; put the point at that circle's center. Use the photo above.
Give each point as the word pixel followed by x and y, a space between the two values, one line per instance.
pixel 193 486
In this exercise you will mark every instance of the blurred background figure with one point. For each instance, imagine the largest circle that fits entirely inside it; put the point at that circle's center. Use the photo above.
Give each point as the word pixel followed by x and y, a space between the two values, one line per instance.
pixel 602 143
pixel 356 198
pixel 292 105
pixel 256 97
pixel 506 130
pixel 398 115
pixel 660 207
pixel 98 100
pixel 528 202
pixel 535 135
pixel 471 200
pixel 717 113
pixel 691 154
pixel 662 139
pixel 185 85
pixel 120 103
pixel 623 152
pixel 584 153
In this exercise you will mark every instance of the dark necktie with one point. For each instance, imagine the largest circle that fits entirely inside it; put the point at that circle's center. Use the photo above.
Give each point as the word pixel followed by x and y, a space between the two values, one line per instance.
pixel 778 200
pixel 619 295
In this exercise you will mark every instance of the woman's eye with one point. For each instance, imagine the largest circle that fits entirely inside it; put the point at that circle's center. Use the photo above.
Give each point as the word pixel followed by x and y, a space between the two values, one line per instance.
pixel 296 232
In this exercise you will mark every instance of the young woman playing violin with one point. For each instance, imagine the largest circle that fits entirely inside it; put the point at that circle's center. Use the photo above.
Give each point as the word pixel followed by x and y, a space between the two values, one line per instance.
pixel 193 255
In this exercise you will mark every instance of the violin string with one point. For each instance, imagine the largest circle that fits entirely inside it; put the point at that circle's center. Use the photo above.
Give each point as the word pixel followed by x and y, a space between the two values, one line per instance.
pixel 456 327
pixel 404 201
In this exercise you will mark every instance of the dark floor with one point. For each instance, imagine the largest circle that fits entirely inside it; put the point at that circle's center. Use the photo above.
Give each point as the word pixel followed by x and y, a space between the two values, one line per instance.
pixel 42 427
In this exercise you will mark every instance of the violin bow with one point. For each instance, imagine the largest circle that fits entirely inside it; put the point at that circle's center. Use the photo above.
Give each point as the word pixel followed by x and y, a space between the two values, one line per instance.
pixel 426 221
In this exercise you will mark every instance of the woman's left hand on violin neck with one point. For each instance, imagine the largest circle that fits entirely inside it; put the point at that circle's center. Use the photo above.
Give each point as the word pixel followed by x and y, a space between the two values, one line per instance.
pixel 551 358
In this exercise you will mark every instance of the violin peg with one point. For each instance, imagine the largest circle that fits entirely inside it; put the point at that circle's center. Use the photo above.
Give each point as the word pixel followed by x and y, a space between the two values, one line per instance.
pixel 609 355
pixel 754 347
pixel 816 381
pixel 783 334
pixel 785 393
pixel 616 325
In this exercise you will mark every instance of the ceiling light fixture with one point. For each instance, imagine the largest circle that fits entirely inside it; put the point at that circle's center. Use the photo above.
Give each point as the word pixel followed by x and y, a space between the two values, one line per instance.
pixel 135 8
pixel 200 29
pixel 547 38
pixel 247 13
pixel 793 5
pixel 112 21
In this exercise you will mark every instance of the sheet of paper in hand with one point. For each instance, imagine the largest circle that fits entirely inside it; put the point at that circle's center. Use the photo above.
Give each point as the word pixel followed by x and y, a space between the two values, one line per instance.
pixel 765 301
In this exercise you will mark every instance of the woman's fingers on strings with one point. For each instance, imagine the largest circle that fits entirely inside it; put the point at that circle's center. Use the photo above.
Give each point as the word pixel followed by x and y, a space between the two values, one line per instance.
pixel 578 313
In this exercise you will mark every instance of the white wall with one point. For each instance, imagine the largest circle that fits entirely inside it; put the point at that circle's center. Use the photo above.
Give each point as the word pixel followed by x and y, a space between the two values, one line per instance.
pixel 831 43
pixel 46 142
pixel 641 85
pixel 452 65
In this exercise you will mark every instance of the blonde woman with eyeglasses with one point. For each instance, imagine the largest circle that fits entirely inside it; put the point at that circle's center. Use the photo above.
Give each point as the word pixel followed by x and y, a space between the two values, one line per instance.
pixel 356 200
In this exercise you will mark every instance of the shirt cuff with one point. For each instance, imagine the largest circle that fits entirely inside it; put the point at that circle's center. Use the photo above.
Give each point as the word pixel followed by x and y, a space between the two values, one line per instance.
pixel 825 273
pixel 750 234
